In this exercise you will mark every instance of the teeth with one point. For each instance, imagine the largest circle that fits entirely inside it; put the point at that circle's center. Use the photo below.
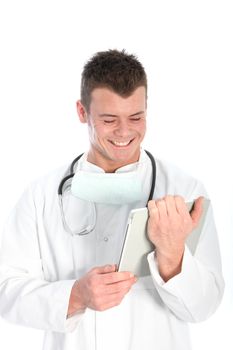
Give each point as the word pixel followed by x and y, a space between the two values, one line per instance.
pixel 120 143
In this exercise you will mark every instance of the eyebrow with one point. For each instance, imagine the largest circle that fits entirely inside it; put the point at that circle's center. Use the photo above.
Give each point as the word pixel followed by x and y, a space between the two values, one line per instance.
pixel 114 115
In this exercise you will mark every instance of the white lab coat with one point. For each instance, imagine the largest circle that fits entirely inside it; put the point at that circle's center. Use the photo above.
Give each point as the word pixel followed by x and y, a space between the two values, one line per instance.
pixel 39 262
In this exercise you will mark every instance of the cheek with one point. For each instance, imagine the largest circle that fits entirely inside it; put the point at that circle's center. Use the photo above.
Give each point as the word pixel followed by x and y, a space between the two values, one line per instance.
pixel 97 132
pixel 141 129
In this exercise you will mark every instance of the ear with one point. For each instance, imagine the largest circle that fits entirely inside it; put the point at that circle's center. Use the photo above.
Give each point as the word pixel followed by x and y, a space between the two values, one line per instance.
pixel 81 112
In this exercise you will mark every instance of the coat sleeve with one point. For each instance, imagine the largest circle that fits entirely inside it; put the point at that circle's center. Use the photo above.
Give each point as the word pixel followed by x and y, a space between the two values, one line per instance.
pixel 26 298
pixel 195 293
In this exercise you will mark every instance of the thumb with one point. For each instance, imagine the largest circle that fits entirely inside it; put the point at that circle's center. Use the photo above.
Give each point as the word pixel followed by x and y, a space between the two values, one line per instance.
pixel 197 211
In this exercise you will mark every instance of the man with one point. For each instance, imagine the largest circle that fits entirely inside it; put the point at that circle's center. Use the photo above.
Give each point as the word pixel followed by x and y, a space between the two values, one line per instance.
pixel 58 257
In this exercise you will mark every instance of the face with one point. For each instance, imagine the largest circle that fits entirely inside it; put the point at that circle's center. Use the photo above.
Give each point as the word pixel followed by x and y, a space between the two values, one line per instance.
pixel 116 127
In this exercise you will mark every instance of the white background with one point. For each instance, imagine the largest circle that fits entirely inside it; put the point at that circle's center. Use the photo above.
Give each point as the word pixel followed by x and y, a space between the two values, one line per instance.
pixel 186 48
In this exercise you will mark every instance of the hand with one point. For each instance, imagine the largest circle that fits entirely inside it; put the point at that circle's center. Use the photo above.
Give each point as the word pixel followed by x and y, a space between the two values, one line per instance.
pixel 169 225
pixel 100 289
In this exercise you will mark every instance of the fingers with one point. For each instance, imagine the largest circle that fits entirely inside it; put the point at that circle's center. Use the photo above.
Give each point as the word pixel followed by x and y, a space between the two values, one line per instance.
pixel 112 300
pixel 108 274
pixel 168 227
pixel 104 269
pixel 121 286
pixel 170 206
pixel 197 211
pixel 115 277
pixel 102 289
pixel 112 281
pixel 181 206
pixel 153 210
pixel 164 207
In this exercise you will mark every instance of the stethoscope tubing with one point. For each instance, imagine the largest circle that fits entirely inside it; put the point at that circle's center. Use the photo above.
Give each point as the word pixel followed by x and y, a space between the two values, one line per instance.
pixel 71 174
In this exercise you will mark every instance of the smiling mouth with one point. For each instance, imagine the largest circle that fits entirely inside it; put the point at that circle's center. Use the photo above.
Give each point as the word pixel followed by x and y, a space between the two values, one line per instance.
pixel 120 143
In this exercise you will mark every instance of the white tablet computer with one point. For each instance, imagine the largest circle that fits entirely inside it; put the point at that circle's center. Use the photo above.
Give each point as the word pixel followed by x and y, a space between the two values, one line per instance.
pixel 136 245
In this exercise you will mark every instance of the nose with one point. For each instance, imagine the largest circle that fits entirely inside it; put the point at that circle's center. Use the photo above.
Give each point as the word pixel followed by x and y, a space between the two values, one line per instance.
pixel 122 129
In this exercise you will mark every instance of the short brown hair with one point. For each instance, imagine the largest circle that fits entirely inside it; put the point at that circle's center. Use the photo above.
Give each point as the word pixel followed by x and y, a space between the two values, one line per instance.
pixel 115 70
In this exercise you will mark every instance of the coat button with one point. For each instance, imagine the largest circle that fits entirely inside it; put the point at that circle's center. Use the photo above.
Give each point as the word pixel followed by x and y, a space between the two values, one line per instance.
pixel 105 239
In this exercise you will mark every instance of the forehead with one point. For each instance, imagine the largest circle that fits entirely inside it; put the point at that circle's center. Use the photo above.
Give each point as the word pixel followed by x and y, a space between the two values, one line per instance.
pixel 103 99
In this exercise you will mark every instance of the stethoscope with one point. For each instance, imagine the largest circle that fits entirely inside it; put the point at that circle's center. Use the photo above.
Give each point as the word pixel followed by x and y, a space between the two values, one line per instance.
pixel 66 181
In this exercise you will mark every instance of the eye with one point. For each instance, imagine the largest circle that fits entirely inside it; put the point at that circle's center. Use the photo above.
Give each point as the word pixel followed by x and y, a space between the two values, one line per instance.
pixel 108 121
pixel 135 119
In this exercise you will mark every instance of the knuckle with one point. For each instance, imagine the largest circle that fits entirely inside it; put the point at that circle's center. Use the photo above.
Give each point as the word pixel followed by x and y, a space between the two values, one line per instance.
pixel 159 201
pixel 101 308
pixel 153 216
pixel 169 197
pixel 93 271
pixel 179 198
pixel 159 204
pixel 151 204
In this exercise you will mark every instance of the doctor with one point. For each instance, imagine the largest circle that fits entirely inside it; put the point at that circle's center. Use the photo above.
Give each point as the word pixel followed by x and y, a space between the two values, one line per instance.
pixel 59 252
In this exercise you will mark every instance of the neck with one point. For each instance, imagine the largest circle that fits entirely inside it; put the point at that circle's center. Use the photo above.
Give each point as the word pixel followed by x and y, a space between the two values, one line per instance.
pixel 109 165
